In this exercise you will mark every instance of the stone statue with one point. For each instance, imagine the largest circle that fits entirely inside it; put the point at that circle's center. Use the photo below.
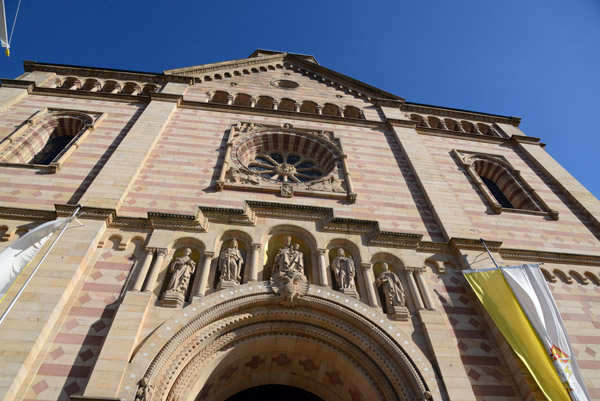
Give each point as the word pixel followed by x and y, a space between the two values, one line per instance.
pixel 181 270
pixel 235 175
pixel 288 258
pixel 392 288
pixel 344 270
pixel 287 275
pixel 230 263
pixel 395 299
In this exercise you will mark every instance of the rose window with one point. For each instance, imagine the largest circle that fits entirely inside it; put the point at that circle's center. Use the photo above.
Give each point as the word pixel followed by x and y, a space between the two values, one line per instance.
pixel 284 167
pixel 285 157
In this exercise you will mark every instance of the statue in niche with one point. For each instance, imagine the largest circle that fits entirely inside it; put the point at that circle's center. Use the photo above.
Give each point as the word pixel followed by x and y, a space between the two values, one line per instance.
pixel 236 176
pixel 288 258
pixel 395 300
pixel 328 184
pixel 344 271
pixel 230 265
pixel 287 275
pixel 181 270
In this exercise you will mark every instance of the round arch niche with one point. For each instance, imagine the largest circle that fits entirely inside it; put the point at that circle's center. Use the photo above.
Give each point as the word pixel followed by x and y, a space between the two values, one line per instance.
pixel 321 346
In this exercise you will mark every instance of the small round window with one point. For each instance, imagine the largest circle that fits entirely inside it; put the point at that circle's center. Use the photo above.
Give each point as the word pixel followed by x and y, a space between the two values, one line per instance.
pixel 285 167
pixel 285 84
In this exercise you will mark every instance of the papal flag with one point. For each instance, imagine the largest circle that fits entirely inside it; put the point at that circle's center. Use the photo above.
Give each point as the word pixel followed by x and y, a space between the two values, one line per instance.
pixel 3 30
pixel 17 256
pixel 520 303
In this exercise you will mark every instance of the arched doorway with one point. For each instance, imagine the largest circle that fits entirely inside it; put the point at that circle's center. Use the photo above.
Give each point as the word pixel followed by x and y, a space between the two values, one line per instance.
pixel 246 338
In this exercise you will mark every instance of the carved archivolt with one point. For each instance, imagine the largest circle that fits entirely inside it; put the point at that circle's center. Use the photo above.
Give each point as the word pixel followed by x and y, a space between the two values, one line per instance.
pixel 373 352
pixel 286 160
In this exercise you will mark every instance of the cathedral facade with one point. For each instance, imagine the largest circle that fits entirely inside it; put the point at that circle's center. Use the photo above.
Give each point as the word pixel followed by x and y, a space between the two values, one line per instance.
pixel 268 223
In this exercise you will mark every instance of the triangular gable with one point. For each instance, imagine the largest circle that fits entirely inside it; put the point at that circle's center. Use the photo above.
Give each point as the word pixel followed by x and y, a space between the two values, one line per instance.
pixel 264 60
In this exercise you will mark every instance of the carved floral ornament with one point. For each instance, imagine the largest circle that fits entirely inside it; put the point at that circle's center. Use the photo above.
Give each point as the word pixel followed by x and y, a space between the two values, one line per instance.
pixel 285 160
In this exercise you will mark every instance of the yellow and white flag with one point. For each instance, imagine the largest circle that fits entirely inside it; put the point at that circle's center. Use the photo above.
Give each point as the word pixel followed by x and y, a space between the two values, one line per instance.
pixel 18 255
pixel 529 287
pixel 528 339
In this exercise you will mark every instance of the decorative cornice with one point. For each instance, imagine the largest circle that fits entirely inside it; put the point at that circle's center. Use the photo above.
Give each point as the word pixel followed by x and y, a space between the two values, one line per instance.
pixel 150 77
pixel 26 214
pixel 542 256
pixel 111 97
pixel 224 65
pixel 474 244
pixel 338 120
pixel 16 83
pixel 525 139
pixel 322 215
pixel 463 114
pixel 166 97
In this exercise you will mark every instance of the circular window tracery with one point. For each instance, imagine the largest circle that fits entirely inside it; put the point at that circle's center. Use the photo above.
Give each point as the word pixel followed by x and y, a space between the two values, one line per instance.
pixel 284 157
pixel 284 167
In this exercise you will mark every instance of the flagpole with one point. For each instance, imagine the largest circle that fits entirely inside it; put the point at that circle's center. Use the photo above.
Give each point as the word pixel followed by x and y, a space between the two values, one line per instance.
pixel 488 251
pixel 38 266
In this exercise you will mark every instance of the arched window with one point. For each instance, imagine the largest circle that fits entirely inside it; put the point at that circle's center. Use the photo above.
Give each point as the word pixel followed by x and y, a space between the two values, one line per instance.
pixel 502 185
pixel 47 139
pixel 220 97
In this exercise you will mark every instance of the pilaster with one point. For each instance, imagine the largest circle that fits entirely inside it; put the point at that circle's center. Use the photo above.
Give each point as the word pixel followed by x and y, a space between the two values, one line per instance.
pixel 448 212
pixel 29 324
pixel 114 181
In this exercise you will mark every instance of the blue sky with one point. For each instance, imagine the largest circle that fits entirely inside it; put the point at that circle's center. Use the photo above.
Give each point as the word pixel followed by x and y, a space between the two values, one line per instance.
pixel 539 60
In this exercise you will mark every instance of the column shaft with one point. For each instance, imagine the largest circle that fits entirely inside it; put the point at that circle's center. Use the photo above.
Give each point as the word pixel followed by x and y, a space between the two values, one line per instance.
pixel 369 279
pixel 161 253
pixel 424 290
pixel 323 276
pixel 208 257
pixel 413 288
pixel 139 281
pixel 254 263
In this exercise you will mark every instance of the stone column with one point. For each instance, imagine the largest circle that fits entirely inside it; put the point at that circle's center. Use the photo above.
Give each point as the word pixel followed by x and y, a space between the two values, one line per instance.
pixel 161 253
pixel 221 180
pixel 201 289
pixel 139 281
pixel 413 287
pixel 323 276
pixel 423 287
pixel 369 280
pixel 254 263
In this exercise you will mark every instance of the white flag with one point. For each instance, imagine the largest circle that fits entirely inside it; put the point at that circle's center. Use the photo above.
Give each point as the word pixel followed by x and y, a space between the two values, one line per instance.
pixel 533 294
pixel 16 257
pixel 3 30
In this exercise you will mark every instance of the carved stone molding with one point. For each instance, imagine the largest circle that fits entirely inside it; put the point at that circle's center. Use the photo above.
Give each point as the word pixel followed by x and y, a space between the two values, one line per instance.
pixel 172 366
pixel 246 143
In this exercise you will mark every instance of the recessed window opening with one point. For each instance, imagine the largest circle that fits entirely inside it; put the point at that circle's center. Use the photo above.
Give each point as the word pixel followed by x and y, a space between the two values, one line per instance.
pixel 497 193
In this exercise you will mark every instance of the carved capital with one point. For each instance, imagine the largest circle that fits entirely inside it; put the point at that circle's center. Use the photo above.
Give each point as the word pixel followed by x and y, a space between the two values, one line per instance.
pixel 209 254
pixel 322 251
pixel 149 251
pixel 256 246
pixel 419 269
pixel 409 269
pixel 161 252
pixel 366 266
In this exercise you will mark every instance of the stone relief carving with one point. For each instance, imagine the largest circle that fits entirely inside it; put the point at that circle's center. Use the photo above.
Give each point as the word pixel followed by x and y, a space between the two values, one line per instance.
pixel 181 270
pixel 236 176
pixel 230 266
pixel 395 298
pixel 344 271
pixel 287 275
pixel 327 184
pixel 144 391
